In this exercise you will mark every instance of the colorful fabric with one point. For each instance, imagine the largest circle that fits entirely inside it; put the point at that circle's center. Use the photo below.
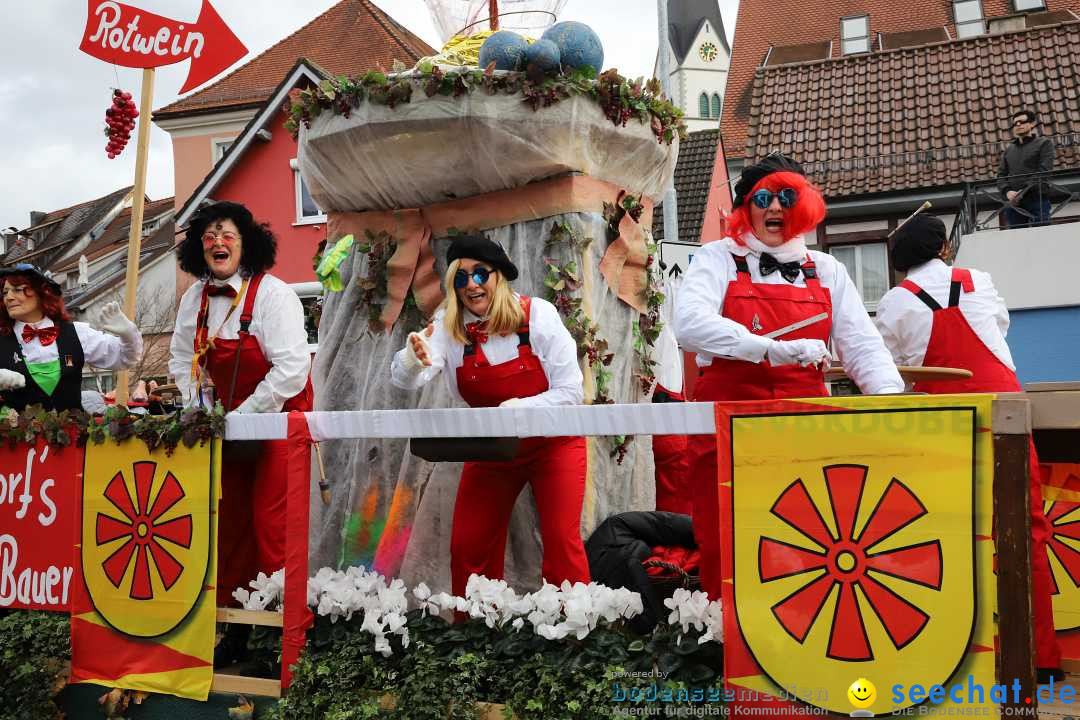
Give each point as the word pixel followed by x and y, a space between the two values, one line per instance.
pixel 46 374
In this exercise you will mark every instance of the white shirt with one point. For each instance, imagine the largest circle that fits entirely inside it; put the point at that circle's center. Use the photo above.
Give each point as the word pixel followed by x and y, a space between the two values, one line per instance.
pixel 665 352
pixel 905 321
pixel 277 322
pixel 550 341
pixel 100 349
pixel 701 328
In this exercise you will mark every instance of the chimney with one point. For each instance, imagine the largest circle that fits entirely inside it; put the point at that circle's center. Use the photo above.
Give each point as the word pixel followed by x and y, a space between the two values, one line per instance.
pixel 36 216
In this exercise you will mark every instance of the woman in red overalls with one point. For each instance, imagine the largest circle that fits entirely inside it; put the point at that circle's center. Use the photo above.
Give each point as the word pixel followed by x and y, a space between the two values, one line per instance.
pixel 761 279
pixel 942 316
pixel 243 330
pixel 497 348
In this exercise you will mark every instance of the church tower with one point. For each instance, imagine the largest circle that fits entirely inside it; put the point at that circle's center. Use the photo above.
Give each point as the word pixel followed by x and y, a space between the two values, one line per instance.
pixel 698 62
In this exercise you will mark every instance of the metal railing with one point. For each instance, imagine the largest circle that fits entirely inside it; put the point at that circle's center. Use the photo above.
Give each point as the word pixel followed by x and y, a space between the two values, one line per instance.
pixel 984 205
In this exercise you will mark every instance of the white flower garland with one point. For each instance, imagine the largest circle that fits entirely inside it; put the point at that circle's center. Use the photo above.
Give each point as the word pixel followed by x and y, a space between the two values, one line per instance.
pixel 555 612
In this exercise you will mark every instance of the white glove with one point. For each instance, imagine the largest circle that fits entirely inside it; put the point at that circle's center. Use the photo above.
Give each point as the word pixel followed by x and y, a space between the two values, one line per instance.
pixel 11 380
pixel 114 321
pixel 799 352
pixel 512 402
pixel 415 360
pixel 245 408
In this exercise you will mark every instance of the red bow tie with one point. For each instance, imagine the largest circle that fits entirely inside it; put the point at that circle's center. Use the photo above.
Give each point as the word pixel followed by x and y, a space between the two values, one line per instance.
pixel 46 336
pixel 476 332
pixel 226 290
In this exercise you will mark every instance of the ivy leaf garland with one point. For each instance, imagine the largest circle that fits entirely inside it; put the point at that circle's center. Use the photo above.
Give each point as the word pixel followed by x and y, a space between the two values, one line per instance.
pixel 189 426
pixel 621 99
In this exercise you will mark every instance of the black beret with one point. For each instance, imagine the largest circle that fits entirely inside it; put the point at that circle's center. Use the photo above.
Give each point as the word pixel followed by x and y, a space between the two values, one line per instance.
pixel 31 271
pixel 918 240
pixel 751 176
pixel 478 247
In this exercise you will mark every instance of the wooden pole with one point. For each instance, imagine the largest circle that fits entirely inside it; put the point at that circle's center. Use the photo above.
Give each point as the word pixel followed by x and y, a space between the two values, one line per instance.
pixel 131 280
pixel 493 14
pixel 1012 432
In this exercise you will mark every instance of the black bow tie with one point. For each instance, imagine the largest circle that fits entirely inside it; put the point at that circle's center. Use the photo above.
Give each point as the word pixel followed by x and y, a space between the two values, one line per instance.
pixel 789 270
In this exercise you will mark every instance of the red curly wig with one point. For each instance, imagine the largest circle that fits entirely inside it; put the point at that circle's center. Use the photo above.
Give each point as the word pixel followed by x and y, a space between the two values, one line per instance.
pixel 808 212
pixel 52 304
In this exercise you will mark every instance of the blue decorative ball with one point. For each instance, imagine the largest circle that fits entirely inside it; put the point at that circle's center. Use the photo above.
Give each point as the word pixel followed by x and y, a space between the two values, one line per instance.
pixel 544 54
pixel 506 48
pixel 578 45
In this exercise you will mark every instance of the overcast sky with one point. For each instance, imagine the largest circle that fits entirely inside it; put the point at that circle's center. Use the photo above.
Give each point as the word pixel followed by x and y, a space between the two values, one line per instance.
pixel 53 97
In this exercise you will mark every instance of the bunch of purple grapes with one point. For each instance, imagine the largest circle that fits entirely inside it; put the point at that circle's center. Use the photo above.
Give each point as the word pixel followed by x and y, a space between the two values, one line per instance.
pixel 120 121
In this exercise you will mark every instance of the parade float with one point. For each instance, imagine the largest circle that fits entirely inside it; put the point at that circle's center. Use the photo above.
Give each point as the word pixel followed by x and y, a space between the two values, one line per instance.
pixel 862 550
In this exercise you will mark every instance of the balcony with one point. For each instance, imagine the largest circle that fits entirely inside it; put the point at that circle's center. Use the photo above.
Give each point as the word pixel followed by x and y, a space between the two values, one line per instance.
pixel 1035 266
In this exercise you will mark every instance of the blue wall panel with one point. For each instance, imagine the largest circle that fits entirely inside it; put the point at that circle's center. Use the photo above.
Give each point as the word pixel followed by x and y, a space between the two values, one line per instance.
pixel 1045 344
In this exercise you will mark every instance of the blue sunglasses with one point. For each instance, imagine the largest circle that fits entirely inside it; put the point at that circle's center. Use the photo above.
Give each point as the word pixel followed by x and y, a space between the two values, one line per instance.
pixel 479 275
pixel 763 198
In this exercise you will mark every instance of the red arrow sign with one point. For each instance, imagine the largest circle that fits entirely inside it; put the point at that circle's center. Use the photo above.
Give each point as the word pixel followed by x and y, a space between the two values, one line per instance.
pixel 124 35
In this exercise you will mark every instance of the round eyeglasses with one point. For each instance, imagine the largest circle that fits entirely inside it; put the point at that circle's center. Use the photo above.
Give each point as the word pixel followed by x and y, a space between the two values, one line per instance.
pixel 763 198
pixel 479 276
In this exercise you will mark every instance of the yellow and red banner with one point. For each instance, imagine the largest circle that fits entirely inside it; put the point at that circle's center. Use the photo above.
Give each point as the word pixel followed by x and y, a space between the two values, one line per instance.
pixel 1061 503
pixel 856 547
pixel 143 610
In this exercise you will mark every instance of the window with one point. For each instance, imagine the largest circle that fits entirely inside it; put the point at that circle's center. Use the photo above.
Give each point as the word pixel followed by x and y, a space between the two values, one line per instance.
pixel 868 266
pixel 969 18
pixel 306 209
pixel 703 105
pixel 1022 5
pixel 715 105
pixel 220 146
pixel 855 34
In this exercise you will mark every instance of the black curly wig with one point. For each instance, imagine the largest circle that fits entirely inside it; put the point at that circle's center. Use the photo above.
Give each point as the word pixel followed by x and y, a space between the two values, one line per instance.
pixel 259 247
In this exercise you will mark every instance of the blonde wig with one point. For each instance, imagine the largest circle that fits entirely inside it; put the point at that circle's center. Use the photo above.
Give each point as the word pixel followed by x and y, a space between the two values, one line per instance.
pixel 504 315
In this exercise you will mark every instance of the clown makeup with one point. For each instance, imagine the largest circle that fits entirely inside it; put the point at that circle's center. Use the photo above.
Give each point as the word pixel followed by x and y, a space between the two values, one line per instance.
pixel 21 302
pixel 476 297
pixel 222 248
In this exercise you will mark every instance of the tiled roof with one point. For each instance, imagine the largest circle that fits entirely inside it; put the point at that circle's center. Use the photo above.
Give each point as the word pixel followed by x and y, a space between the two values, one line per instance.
pixel 932 116
pixel 693 174
pixel 765 24
pixel 351 37
pixel 69 224
pixel 116 234
pixel 153 247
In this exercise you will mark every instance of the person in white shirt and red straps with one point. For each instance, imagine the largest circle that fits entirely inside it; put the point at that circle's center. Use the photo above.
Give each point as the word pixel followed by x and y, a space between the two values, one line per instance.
pixel 944 316
pixel 243 329
pixel 759 280
pixel 495 347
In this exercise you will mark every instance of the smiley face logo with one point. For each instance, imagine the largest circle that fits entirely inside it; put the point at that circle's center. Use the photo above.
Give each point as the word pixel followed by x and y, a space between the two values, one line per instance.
pixel 862 693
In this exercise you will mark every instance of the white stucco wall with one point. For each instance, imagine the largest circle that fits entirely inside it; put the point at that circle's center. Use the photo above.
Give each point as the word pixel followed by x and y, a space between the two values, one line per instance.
pixel 1032 267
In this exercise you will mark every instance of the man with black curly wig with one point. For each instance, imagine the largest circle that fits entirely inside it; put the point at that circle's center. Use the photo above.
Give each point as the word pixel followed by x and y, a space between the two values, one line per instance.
pixel 242 329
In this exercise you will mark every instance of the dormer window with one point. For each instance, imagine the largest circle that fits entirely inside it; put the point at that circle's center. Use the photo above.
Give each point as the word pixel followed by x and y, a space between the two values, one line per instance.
pixel 970 21
pixel 855 34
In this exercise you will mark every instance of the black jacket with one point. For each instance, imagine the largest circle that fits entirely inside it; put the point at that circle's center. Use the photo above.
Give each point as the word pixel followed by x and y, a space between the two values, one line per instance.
pixel 68 392
pixel 1035 154
pixel 621 543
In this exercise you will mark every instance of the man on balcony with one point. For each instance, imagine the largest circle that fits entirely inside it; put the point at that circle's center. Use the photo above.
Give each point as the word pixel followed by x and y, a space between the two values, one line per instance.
pixel 1018 182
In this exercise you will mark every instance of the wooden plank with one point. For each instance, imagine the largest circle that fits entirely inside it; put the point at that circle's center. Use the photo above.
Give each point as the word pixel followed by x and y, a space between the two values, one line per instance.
pixel 1011 414
pixel 245 685
pixel 1011 510
pixel 249 617
pixel 1051 386
pixel 1058 410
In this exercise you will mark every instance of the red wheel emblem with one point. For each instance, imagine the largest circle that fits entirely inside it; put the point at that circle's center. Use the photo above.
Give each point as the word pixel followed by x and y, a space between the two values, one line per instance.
pixel 1064 532
pixel 847 560
pixel 143 531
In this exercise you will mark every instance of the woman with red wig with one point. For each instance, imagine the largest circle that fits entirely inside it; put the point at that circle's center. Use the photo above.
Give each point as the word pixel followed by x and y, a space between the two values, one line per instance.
pixel 42 352
pixel 760 310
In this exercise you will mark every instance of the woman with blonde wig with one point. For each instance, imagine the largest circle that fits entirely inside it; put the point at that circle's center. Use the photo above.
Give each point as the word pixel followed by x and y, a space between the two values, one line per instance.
pixel 761 310
pixel 496 348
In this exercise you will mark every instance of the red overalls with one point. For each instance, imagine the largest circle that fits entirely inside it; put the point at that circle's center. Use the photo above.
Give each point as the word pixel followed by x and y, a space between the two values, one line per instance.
pixel 954 344
pixel 672 464
pixel 761 308
pixel 554 466
pixel 251 527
